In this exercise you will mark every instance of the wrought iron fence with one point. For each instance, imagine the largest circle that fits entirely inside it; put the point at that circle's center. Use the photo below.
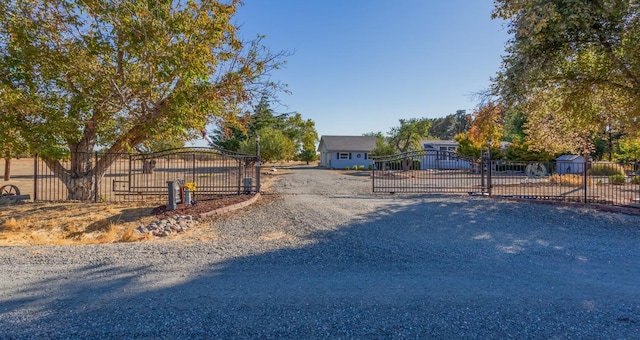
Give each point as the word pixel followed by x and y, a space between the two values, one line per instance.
pixel 431 171
pixel 144 177
pixel 585 182
pixel 427 171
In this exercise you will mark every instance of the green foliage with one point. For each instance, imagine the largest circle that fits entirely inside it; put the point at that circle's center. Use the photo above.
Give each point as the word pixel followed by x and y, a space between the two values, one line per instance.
pixel 347 168
pixel 383 148
pixel 361 167
pixel 308 155
pixel 617 179
pixel 514 126
pixel 449 126
pixel 605 169
pixel 466 147
pixel 398 165
pixel 230 134
pixel 521 151
pixel 80 75
pixel 571 68
pixel 274 146
pixel 635 180
pixel 355 167
pixel 408 135
pixel 629 149
pixel 370 167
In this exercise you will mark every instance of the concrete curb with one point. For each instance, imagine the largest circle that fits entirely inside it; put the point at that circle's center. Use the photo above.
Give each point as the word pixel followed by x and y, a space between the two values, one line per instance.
pixel 230 208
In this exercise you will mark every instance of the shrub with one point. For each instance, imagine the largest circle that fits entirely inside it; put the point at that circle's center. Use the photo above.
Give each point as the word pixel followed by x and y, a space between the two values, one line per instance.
pixel 635 180
pixel 355 167
pixel 605 169
pixel 361 167
pixel 617 179
pixel 397 165
pixel 370 167
pixel 567 179
pixel 347 168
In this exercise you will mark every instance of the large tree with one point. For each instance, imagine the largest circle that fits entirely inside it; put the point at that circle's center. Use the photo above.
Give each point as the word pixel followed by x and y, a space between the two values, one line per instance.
pixel 11 144
pixel 406 138
pixel 81 75
pixel 572 67
pixel 408 135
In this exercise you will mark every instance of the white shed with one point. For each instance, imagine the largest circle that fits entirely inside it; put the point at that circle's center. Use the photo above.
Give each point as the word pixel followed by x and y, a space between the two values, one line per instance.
pixel 570 164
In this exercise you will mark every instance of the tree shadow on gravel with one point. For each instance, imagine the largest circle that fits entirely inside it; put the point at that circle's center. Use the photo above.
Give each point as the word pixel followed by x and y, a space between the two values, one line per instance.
pixel 429 267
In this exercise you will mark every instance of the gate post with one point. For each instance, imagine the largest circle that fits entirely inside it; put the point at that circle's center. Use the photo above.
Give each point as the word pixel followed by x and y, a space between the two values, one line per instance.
pixel 96 187
pixel 584 176
pixel 258 164
pixel 35 177
pixel 482 167
pixel 489 168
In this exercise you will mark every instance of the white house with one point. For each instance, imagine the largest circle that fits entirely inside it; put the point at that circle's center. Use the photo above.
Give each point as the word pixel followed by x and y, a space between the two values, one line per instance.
pixel 339 152
pixel 441 155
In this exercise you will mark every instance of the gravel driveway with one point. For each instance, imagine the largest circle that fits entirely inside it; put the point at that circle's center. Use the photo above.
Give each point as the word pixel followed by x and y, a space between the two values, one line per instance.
pixel 328 259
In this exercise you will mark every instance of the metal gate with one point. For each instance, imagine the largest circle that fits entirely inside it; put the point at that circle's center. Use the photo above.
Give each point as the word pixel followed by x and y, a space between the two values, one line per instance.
pixel 142 177
pixel 429 171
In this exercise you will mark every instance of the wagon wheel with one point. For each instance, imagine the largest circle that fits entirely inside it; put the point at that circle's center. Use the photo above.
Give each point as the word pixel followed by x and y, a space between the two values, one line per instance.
pixel 9 190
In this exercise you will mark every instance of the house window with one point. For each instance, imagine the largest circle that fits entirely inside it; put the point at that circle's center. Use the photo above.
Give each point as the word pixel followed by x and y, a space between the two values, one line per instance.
pixel 442 153
pixel 446 152
pixel 343 155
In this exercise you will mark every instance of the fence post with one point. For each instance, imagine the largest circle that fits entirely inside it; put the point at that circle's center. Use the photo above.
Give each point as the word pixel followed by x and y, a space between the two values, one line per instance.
pixel 193 167
pixel 258 164
pixel 96 192
pixel 584 177
pixel 373 175
pixel 482 165
pixel 489 166
pixel 35 177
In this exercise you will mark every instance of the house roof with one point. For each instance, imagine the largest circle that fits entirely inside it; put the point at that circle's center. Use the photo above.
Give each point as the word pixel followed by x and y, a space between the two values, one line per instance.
pixel 569 158
pixel 348 143
pixel 439 141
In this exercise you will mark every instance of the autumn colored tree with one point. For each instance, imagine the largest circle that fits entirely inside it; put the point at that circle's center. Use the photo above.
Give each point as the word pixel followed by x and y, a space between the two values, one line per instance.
pixel 81 75
pixel 572 68
pixel 487 125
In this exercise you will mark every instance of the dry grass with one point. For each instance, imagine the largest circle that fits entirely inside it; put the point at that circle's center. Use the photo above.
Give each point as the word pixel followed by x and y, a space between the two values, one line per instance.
pixel 79 223
pixel 566 179
pixel 71 223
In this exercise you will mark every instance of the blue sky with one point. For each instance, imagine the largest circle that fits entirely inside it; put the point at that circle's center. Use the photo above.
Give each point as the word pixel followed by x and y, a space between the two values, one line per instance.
pixel 361 65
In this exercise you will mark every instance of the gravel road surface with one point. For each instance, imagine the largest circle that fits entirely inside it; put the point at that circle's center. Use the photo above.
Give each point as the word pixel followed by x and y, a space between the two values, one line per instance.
pixel 326 258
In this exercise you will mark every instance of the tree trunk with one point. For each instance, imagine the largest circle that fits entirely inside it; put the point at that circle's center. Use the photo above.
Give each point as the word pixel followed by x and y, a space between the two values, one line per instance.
pixel 406 164
pixel 7 169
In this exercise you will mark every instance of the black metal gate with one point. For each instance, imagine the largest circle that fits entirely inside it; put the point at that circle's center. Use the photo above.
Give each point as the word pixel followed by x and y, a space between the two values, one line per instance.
pixel 141 177
pixel 429 171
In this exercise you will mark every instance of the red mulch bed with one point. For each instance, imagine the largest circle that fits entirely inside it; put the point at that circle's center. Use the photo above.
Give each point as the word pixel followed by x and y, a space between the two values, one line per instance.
pixel 202 205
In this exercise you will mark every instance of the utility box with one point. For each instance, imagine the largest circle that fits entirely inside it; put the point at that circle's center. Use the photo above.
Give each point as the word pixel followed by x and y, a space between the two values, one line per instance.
pixel 175 193
pixel 247 184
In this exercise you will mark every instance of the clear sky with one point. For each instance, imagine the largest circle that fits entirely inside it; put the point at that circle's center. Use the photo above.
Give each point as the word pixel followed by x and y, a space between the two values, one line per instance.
pixel 360 65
